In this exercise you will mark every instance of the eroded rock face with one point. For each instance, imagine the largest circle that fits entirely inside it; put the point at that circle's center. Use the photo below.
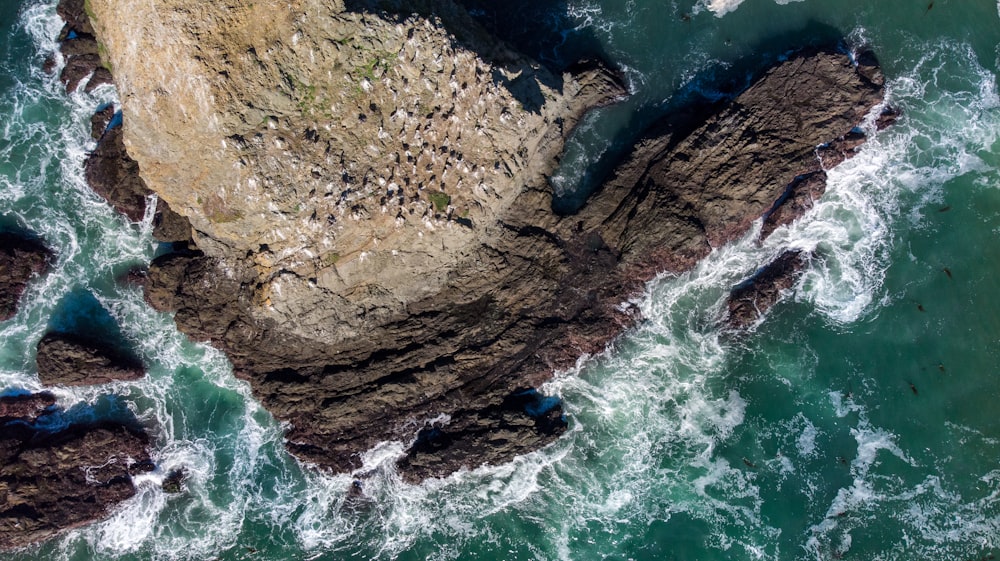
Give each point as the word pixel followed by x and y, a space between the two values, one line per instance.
pixel 800 196
pixel 79 48
pixel 54 481
pixel 375 247
pixel 70 360
pixel 21 259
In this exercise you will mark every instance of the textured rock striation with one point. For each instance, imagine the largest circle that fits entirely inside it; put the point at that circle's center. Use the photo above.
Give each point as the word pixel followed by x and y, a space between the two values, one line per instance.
pixel 66 359
pixel 21 259
pixel 54 477
pixel 373 240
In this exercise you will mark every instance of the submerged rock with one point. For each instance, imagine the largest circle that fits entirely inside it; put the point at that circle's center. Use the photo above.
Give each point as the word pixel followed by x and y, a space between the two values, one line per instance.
pixel 66 359
pixel 173 483
pixel 21 259
pixel 51 481
pixel 749 301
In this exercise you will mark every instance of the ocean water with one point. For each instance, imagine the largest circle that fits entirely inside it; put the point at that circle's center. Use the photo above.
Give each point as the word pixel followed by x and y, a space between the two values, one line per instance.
pixel 860 420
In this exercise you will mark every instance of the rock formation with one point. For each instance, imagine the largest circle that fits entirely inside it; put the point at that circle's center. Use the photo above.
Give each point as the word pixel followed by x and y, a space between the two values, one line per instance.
pixel 79 48
pixel 112 174
pixel 109 170
pixel 24 406
pixel 65 359
pixel 373 241
pixel 21 259
pixel 750 299
pixel 52 481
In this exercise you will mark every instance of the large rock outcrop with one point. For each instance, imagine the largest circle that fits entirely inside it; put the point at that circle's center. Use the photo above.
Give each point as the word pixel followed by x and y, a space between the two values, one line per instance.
pixel 54 480
pixel 21 259
pixel 66 359
pixel 375 245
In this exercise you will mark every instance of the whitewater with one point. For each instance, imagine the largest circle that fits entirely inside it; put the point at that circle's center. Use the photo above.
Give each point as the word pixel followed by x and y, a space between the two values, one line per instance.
pixel 802 440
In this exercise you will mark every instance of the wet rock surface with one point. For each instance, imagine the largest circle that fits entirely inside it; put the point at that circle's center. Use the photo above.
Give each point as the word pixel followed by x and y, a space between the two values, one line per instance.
pixel 799 197
pixel 66 359
pixel 21 259
pixel 79 48
pixel 749 301
pixel 52 480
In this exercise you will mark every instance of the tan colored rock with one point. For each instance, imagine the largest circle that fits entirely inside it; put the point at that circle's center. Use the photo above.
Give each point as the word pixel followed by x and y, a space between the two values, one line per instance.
pixel 336 147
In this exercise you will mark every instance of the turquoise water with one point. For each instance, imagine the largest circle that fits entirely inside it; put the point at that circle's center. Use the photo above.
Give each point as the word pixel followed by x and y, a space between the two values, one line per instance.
pixel 859 421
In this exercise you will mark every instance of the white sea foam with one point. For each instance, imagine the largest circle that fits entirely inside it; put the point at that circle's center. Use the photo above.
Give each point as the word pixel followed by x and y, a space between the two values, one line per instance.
pixel 723 7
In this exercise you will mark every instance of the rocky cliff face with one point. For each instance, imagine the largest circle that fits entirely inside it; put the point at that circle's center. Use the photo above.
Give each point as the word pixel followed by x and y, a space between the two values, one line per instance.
pixel 374 245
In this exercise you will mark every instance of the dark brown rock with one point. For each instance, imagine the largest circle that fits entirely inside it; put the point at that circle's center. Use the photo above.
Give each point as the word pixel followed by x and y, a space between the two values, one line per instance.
pixel 21 259
pixel 113 175
pixel 100 120
pixel 70 360
pixel 799 197
pixel 79 48
pixel 833 153
pixel 77 68
pixel 541 290
pixel 752 298
pixel 51 482
pixel 74 13
pixel 101 77
pixel 81 45
pixel 27 406
pixel 887 118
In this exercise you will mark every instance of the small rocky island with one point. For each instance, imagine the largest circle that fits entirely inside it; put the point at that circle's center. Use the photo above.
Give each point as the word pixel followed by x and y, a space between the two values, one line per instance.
pixel 371 233
pixel 58 472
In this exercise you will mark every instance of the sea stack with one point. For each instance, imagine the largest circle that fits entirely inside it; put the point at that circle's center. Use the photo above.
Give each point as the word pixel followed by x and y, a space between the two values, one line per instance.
pixel 373 241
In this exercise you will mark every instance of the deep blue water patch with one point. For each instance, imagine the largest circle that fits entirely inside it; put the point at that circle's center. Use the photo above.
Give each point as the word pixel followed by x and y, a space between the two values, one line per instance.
pixel 14 392
pixel 107 408
pixel 116 121
pixel 538 404
pixel 79 313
